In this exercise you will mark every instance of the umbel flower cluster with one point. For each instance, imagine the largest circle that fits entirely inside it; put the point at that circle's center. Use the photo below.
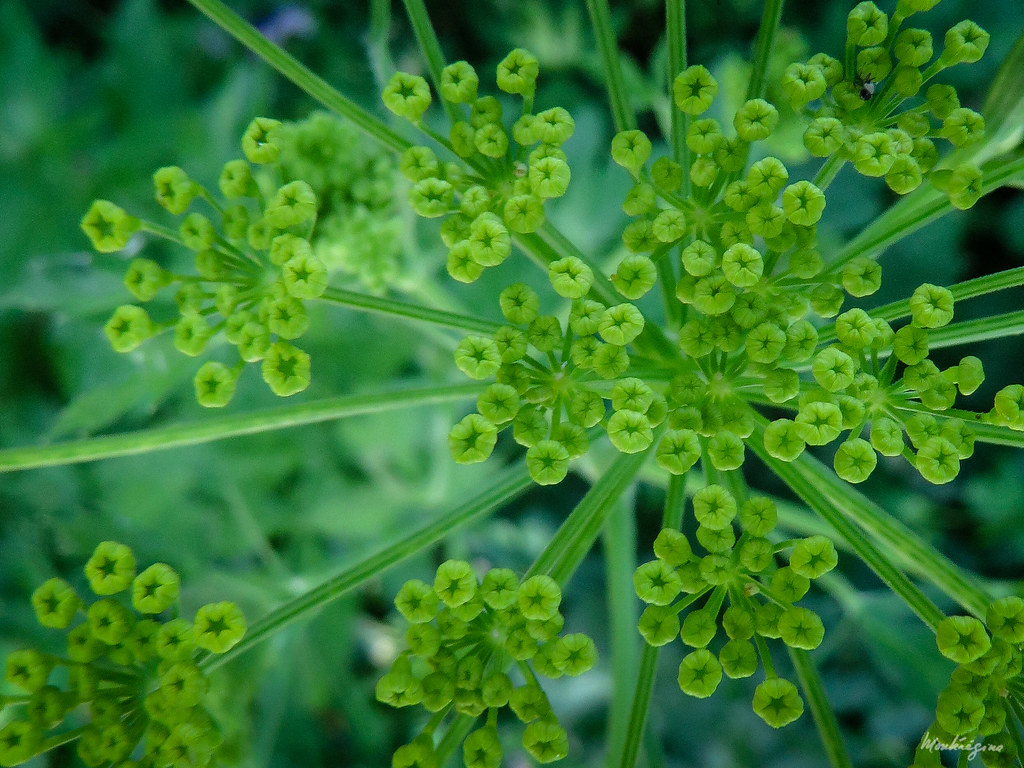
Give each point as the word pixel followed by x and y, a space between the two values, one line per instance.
pixel 761 596
pixel 264 253
pixel 986 689
pixel 130 670
pixel 757 313
pixel 464 637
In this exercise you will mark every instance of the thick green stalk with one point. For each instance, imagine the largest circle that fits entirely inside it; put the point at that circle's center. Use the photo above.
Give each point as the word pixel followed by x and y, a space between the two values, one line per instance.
pixel 821 709
pixel 406 311
pixel 430 47
pixel 770 21
pixel 220 427
pixel 625 755
pixel 638 711
pixel 921 207
pixel 601 21
pixel 806 481
pixel 298 73
pixel 997 435
pixel 511 484
pixel 619 544
pixel 982 329
pixel 581 528
pixel 675 29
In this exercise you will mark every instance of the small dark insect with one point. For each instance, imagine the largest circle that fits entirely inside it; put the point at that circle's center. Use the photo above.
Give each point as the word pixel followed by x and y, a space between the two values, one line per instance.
pixel 867 89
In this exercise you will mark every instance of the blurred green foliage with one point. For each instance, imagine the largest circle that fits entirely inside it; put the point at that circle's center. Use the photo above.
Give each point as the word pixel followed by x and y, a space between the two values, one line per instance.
pixel 96 95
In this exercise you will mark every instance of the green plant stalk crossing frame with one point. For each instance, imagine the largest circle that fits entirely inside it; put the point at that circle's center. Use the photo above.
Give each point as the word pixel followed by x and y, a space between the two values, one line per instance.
pixel 511 484
pixel 233 425
pixel 406 311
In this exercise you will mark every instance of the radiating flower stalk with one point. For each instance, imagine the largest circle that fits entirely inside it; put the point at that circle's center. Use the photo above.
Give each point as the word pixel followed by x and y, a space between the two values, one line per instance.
pixel 755 317
pixel 129 670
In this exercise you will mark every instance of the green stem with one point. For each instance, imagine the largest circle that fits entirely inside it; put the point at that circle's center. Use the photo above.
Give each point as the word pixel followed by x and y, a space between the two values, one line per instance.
pixel 625 757
pixel 298 73
pixel 581 528
pixel 220 427
pixel 619 543
pixel 641 703
pixel 982 329
pixel 675 28
pixel 401 309
pixel 601 21
pixel 914 211
pixel 821 709
pixel 430 47
pixel 770 20
pixel 511 484
pixel 828 172
pixel 457 733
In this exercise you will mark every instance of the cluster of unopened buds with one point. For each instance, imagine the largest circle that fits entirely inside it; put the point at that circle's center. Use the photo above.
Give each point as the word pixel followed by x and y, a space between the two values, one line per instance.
pixel 131 669
pixel 464 637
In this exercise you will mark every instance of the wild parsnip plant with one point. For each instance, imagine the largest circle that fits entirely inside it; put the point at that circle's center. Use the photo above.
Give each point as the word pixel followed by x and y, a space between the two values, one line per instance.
pixel 727 334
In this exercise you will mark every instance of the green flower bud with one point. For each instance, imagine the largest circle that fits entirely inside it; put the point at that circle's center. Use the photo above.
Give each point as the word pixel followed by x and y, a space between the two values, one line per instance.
pixel 714 507
pixel 962 638
pixel 874 154
pixel 824 136
pixel 938 461
pixel 286 369
pixel 286 316
pixel 215 385
pixel 539 597
pixel 19 742
pixel 630 431
pixel 407 96
pixel 738 659
pixel 913 47
pixel 574 654
pixel 801 628
pixel 108 226
pixel 784 439
pixel 621 324
pixel 55 603
pixel 455 583
pixel 659 625
pixel 517 72
pixel 803 203
pixel 726 451
pixel 965 43
pixel 931 306
pixel 833 369
pixel 904 176
pixel 959 712
pixel 874 63
pixel 766 220
pixel 755 120
pixel 236 180
pixel 523 213
pixel 218 626
pixel 417 602
pixel 472 440
pixel 855 460
pixel 678 450
pixel 666 174
pixel 866 25
pixel 570 277
pixel 478 357
pixel 631 149
pixel 174 189
pixel 261 142
pixel 803 83
pixel 27 669
pixel 965 186
pixel 490 140
pixel 547 462
pixel 635 276
pixel 699 674
pixel 776 700
pixel 459 82
pixel 546 741
pixel 111 568
pixel 970 375
pixel 155 589
pixel 703 136
pixel 694 89
pixel 489 240
pixel 1005 619
pixel 656 582
pixel 813 557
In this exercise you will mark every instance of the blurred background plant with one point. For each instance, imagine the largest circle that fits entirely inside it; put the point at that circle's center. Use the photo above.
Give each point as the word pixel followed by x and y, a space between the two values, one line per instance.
pixel 96 95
